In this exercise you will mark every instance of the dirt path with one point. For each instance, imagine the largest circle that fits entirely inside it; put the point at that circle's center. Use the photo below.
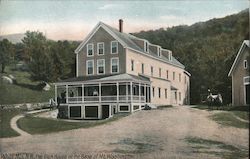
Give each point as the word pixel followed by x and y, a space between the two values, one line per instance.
pixel 160 132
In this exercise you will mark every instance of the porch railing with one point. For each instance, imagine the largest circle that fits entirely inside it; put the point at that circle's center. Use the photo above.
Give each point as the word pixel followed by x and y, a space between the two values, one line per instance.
pixel 121 98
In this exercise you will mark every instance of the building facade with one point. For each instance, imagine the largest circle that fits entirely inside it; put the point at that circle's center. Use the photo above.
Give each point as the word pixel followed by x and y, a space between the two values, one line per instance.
pixel 241 76
pixel 118 72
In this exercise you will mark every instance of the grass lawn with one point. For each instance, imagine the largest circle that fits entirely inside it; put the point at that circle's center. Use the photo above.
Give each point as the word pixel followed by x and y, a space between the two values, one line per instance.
pixel 216 148
pixel 5 117
pixel 164 107
pixel 228 119
pixel 225 117
pixel 38 125
pixel 24 91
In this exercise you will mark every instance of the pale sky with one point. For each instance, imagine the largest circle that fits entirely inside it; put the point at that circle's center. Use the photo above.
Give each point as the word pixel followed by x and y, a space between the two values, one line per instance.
pixel 74 19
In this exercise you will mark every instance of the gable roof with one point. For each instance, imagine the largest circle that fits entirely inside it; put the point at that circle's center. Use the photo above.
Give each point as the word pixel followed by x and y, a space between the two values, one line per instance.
pixel 127 41
pixel 241 50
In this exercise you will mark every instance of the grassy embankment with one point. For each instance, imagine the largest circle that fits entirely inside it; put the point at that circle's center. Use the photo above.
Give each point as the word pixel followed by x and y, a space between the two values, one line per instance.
pixel 236 116
pixel 25 91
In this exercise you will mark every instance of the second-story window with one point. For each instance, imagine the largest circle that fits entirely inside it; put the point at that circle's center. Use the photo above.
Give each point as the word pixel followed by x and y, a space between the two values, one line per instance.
pixel 159 72
pixel 90 67
pixel 100 66
pixel 114 65
pixel 142 68
pixel 167 73
pixel 173 75
pixel 179 77
pixel 132 65
pixel 159 51
pixel 152 70
pixel 90 49
pixel 100 48
pixel 146 46
pixel 114 47
pixel 179 96
pixel 245 64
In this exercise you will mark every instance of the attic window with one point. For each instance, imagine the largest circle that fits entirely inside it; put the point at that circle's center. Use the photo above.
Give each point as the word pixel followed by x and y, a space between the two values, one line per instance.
pixel 170 56
pixel 245 64
pixel 159 51
pixel 146 47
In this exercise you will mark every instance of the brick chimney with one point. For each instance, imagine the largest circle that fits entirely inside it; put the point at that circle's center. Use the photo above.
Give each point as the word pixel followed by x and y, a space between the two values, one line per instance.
pixel 120 25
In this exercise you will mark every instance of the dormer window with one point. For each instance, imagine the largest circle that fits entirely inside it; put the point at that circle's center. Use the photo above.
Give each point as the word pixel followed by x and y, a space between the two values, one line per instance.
pixel 170 56
pixel 159 51
pixel 90 50
pixel 146 46
pixel 245 64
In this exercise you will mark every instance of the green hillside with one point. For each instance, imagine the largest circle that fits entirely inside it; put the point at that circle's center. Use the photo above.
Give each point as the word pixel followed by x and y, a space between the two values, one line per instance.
pixel 207 49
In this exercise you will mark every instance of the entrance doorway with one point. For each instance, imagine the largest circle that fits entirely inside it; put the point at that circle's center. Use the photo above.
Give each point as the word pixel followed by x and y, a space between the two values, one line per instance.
pixel 105 111
pixel 247 96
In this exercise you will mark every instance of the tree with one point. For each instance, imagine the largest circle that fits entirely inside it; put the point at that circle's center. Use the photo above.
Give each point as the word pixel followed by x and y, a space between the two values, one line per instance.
pixel 6 52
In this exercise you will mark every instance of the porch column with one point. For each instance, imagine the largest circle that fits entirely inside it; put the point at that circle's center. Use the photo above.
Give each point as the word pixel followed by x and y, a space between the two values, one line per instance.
pixel 117 92
pixel 126 92
pixel 139 92
pixel 56 94
pixel 145 93
pixel 67 93
pixel 82 93
pixel 131 92
pixel 151 93
pixel 100 91
pixel 148 93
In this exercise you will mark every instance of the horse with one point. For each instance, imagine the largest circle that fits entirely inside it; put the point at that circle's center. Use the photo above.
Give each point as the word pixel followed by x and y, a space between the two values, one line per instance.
pixel 214 100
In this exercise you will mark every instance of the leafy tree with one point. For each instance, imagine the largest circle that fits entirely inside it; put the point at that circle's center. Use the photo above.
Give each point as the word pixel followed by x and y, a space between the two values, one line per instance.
pixel 6 53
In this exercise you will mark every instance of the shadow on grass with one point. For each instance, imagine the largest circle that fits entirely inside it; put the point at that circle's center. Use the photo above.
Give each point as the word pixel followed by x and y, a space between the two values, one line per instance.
pixel 216 148
pixel 225 108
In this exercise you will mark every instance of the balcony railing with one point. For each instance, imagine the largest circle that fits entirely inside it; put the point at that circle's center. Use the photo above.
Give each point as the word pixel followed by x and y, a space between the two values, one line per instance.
pixel 91 99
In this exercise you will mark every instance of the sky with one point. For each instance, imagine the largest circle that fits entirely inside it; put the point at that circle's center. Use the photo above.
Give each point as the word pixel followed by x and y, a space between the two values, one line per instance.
pixel 74 19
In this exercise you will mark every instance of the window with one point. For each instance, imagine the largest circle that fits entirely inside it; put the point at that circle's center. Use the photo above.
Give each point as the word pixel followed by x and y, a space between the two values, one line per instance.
pixel 132 65
pixel 142 68
pixel 90 67
pixel 166 93
pixel 146 46
pixel 100 48
pixel 91 111
pixel 179 96
pixel 159 51
pixel 90 49
pixel 114 47
pixel 245 64
pixel 152 70
pixel 159 92
pixel 114 65
pixel 100 66
pixel 136 107
pixel 173 75
pixel 170 56
pixel 159 72
pixel 179 77
pixel 124 108
pixel 153 91
pixel 167 73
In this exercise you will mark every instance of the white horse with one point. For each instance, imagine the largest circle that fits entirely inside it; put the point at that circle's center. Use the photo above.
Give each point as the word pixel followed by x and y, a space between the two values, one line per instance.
pixel 214 99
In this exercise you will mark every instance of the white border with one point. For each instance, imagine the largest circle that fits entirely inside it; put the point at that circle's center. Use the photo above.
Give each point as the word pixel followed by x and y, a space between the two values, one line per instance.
pixel 98 66
pixel 93 52
pixel 98 48
pixel 111 71
pixel 115 41
pixel 87 67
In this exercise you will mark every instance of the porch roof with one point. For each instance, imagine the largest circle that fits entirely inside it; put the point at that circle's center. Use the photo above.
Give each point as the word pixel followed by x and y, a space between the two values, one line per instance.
pixel 106 78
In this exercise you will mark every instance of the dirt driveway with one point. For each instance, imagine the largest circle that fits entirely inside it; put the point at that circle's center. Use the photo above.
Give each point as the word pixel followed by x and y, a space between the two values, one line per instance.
pixel 151 134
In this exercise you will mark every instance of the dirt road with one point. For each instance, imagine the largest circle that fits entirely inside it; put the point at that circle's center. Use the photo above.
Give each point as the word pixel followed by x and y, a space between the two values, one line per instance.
pixel 151 134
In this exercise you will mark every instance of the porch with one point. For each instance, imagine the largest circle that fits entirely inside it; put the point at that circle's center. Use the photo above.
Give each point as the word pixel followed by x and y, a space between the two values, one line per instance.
pixel 103 91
